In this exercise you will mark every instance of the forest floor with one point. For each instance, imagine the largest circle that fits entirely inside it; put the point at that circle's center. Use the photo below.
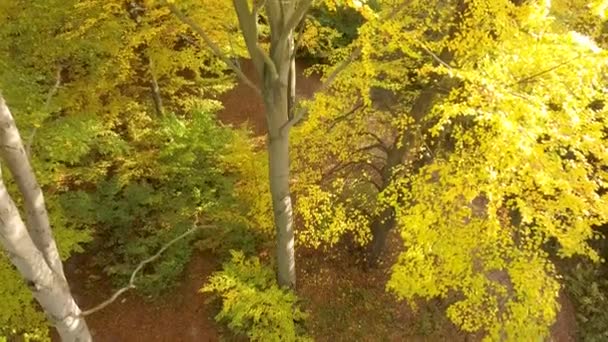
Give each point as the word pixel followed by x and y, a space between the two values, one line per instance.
pixel 344 302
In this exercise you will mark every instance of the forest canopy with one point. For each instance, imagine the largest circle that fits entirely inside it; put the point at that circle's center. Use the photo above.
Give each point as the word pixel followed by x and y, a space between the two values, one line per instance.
pixel 451 152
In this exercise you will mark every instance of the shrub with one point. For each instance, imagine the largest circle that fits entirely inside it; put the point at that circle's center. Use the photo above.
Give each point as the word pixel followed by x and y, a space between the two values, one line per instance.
pixel 588 288
pixel 169 177
pixel 252 302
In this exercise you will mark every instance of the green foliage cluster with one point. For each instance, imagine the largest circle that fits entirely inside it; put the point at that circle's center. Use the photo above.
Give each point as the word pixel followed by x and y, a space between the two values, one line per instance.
pixel 327 29
pixel 79 77
pixel 252 302
pixel 136 212
pixel 587 286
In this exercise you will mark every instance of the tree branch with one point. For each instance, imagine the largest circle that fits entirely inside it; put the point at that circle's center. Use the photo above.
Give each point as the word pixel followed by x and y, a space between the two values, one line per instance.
pixel 248 21
pixel 47 103
pixel 155 90
pixel 131 284
pixel 344 116
pixel 373 146
pixel 214 48
pixel 377 138
pixel 295 19
pixel 542 72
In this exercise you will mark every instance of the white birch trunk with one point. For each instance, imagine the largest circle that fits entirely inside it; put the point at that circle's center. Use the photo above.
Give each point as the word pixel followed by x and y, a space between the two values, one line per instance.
pixel 14 155
pixel 33 251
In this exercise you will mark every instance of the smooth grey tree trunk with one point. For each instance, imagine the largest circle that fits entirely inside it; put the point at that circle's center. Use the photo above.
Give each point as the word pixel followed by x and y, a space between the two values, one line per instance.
pixel 32 248
pixel 277 88
pixel 278 164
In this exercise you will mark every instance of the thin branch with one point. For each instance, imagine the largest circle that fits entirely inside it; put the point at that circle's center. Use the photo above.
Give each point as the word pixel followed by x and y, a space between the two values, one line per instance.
pixel 377 138
pixel 47 103
pixel 131 284
pixel 214 48
pixel 436 58
pixel 298 34
pixel 155 90
pixel 344 116
pixel 542 72
pixel 371 147
pixel 248 22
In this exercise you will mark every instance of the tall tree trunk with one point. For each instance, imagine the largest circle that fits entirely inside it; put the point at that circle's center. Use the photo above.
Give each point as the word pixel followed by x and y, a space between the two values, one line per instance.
pixel 380 228
pixel 278 156
pixel 276 99
pixel 277 73
pixel 397 154
pixel 32 249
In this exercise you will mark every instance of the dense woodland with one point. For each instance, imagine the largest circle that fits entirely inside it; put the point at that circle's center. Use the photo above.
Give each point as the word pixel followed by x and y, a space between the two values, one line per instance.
pixel 442 175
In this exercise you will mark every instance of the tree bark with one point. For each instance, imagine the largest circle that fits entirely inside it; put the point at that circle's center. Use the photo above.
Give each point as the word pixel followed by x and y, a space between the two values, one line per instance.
pixel 278 92
pixel 380 228
pixel 14 154
pixel 276 100
pixel 33 251
pixel 278 157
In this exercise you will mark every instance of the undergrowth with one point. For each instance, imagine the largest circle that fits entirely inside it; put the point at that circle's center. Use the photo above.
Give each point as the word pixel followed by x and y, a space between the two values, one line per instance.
pixel 253 305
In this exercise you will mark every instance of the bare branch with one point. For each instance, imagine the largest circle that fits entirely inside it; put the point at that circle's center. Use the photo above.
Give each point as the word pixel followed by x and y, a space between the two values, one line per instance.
pixel 249 27
pixel 155 90
pixel 377 138
pixel 131 284
pixel 542 72
pixel 344 116
pixel 436 58
pixel 214 48
pixel 378 146
pixel 273 11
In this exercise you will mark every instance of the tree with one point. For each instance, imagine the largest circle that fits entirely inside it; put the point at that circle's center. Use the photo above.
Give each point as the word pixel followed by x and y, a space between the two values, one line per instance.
pixel 275 69
pixel 500 129
pixel 376 137
pixel 31 248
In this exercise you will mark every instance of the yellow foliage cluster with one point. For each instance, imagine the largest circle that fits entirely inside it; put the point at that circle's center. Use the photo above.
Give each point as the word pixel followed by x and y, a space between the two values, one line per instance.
pixel 249 164
pixel 502 173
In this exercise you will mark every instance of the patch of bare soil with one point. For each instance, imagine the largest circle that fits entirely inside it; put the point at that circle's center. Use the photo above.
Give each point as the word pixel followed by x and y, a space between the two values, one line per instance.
pixel 564 328
pixel 180 315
